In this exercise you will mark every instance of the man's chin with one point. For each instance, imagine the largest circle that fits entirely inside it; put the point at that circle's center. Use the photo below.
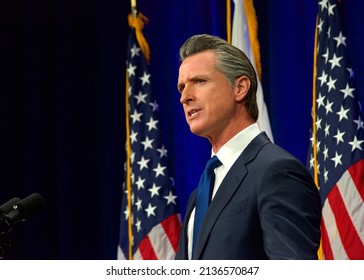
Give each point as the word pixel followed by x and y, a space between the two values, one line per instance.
pixel 196 131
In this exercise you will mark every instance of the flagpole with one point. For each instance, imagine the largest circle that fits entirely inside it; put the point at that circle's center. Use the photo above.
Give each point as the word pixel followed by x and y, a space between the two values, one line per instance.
pixel 228 21
pixel 314 127
pixel 128 163
pixel 137 21
pixel 133 8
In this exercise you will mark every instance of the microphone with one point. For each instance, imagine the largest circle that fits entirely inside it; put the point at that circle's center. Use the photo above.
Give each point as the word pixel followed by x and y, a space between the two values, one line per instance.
pixel 16 210
pixel 8 206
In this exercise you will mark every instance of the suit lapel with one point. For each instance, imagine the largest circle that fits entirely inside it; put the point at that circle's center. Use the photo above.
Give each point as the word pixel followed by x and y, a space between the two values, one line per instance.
pixel 184 235
pixel 228 187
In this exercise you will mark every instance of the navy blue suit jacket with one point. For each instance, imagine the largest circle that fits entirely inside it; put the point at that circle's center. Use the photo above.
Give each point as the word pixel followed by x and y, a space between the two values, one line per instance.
pixel 267 207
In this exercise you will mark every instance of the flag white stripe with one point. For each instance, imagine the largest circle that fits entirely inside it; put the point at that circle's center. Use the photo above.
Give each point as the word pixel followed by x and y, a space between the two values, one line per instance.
pixel 161 244
pixel 120 254
pixel 353 202
pixel 337 248
pixel 137 255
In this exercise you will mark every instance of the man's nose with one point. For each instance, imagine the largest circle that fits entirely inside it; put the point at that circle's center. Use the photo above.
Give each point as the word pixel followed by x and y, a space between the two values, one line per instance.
pixel 186 95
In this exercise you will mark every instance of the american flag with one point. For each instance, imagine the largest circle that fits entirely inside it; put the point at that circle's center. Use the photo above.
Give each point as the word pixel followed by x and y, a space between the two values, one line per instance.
pixel 150 213
pixel 337 140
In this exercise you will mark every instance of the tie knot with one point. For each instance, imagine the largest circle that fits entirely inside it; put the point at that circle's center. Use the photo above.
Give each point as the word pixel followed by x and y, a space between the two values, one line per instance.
pixel 213 162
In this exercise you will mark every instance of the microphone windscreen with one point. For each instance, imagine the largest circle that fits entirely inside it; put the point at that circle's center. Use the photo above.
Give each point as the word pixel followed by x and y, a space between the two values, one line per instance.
pixel 8 206
pixel 29 205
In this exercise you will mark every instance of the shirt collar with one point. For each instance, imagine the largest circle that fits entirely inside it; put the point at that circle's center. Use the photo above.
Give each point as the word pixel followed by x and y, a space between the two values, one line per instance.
pixel 229 153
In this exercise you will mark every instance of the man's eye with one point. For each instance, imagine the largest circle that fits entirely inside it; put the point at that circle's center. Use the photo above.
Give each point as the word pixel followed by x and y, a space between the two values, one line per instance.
pixel 180 88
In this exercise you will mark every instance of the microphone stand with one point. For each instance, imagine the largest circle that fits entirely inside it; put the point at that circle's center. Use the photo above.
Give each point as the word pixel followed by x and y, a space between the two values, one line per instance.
pixel 4 238
pixel 4 243
pixel 14 211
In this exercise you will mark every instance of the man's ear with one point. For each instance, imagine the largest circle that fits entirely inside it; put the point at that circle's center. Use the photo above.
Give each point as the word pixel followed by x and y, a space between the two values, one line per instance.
pixel 242 85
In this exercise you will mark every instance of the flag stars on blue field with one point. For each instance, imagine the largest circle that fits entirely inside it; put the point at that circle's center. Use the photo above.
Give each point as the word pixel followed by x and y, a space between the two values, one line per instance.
pixel 331 84
pixel 138 204
pixel 140 183
pixel 351 72
pixel 337 159
pixel 131 70
pixel 152 124
pixel 134 51
pixel 133 136
pixel 141 97
pixel 328 107
pixel 162 152
pixel 154 190
pixel 323 4
pixel 318 123
pixel 343 113
pixel 126 212
pixel 331 9
pixel 150 210
pixel 132 157
pixel 143 163
pixel 326 153
pixel 171 198
pixel 159 170
pixel 147 143
pixel 339 136
pixel 360 123
pixel 341 40
pixel 335 61
pixel 154 105
pixel 320 101
pixel 356 144
pixel 327 130
pixel 136 116
pixel 326 56
pixel 323 78
pixel 138 225
pixel 145 78
pixel 326 175
pixel 130 91
pixel 348 91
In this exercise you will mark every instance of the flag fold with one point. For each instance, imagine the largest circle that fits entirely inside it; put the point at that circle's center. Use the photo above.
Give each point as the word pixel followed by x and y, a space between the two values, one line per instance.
pixel 336 157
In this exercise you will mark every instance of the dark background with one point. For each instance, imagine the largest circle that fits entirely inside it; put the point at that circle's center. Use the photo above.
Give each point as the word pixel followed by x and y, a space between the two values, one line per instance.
pixel 62 108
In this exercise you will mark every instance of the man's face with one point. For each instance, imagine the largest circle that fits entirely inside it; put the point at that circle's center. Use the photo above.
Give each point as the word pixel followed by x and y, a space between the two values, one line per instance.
pixel 208 98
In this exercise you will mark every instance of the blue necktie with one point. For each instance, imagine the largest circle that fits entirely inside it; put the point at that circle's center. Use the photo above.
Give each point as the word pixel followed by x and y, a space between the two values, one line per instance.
pixel 203 196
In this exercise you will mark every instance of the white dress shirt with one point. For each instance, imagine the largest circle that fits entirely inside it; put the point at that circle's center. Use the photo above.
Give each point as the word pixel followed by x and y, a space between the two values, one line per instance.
pixel 227 154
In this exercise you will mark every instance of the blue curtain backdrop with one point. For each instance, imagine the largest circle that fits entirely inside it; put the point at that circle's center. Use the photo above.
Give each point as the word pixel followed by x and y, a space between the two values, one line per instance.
pixel 62 108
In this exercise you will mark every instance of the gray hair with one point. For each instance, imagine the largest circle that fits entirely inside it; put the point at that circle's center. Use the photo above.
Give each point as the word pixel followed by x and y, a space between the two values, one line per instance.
pixel 231 61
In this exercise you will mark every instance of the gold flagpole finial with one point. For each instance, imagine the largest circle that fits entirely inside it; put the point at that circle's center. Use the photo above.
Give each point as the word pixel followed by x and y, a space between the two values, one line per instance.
pixel 137 20
pixel 133 8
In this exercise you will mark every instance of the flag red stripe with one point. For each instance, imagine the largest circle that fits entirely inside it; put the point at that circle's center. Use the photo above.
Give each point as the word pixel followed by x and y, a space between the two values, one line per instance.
pixel 326 246
pixel 348 234
pixel 357 173
pixel 146 249
pixel 172 227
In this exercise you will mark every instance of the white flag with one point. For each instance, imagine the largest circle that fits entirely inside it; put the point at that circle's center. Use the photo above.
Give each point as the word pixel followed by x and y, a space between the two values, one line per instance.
pixel 241 39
